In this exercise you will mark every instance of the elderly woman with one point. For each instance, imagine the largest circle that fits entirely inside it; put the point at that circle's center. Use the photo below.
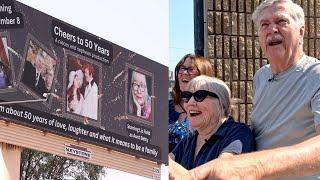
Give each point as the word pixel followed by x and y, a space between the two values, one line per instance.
pixel 188 67
pixel 216 134
pixel 139 98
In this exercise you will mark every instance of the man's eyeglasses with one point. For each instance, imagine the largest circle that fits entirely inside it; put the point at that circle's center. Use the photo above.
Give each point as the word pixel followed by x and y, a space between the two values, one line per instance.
pixel 190 70
pixel 198 96
pixel 136 86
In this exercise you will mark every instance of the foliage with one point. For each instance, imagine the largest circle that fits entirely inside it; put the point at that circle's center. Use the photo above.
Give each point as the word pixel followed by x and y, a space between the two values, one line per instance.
pixel 40 166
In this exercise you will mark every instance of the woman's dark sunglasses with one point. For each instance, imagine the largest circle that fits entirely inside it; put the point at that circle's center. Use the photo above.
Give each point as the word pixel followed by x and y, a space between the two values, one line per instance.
pixel 198 96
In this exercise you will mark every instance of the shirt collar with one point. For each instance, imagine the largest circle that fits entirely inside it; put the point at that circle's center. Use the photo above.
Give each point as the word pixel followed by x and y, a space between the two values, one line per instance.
pixel 222 130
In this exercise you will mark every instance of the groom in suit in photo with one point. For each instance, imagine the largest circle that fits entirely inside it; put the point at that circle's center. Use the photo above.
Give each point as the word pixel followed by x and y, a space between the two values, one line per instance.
pixel 32 75
pixel 90 103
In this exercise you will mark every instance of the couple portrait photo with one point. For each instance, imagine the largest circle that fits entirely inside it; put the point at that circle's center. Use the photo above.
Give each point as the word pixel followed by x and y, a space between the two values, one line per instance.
pixel 5 68
pixel 38 70
pixel 82 92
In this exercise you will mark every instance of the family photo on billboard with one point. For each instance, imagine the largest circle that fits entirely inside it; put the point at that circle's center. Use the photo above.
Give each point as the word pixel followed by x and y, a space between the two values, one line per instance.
pixel 82 87
pixel 5 65
pixel 38 69
pixel 61 82
pixel 139 91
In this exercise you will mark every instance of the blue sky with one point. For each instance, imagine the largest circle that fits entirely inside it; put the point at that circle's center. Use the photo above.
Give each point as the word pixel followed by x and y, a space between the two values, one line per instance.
pixel 181 28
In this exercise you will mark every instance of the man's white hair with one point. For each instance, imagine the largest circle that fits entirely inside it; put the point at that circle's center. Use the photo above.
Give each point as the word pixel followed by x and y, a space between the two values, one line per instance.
pixel 40 57
pixel 296 11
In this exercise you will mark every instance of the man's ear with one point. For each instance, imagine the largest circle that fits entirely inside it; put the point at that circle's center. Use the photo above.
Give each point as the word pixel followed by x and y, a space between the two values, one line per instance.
pixel 301 32
pixel 302 29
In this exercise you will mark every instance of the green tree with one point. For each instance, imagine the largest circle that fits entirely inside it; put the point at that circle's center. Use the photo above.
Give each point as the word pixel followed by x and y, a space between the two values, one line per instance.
pixel 42 166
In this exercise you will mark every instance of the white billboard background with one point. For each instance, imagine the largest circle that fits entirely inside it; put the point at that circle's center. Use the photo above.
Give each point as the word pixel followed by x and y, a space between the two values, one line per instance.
pixel 141 26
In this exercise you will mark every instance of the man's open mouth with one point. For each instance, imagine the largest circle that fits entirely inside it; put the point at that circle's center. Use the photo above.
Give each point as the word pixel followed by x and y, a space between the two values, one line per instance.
pixel 274 42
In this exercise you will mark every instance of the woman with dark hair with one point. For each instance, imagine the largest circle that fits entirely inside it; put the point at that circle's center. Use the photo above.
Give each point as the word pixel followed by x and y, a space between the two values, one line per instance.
pixel 188 67
pixel 74 96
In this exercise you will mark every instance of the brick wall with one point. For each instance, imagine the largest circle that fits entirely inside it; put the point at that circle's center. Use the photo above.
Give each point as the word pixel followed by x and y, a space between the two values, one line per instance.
pixel 233 47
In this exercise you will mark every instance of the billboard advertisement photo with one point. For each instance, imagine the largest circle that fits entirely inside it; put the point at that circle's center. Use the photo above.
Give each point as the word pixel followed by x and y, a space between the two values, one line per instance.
pixel 74 84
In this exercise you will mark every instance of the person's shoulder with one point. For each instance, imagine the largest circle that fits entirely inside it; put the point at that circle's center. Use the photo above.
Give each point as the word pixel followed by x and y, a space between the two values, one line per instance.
pixel 264 69
pixel 311 59
pixel 28 62
pixel 310 63
pixel 28 65
pixel 94 86
pixel 262 73
pixel 232 124
pixel 242 132
pixel 310 66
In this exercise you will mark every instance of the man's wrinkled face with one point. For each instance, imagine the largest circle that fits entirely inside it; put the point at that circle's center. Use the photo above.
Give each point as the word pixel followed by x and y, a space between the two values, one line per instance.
pixel 39 64
pixel 279 34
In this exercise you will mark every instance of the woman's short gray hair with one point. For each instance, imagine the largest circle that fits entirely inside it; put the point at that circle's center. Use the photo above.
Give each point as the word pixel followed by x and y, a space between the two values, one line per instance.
pixel 296 11
pixel 216 86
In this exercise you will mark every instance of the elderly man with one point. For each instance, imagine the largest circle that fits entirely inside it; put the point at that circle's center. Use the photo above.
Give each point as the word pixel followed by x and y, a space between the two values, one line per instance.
pixel 32 74
pixel 286 114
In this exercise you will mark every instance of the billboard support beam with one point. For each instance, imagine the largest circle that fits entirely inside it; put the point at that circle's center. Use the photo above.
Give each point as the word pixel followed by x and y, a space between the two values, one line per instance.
pixel 199 27
pixel 22 136
pixel 10 161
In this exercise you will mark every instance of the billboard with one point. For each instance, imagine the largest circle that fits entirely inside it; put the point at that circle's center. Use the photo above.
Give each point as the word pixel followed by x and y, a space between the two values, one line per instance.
pixel 66 81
